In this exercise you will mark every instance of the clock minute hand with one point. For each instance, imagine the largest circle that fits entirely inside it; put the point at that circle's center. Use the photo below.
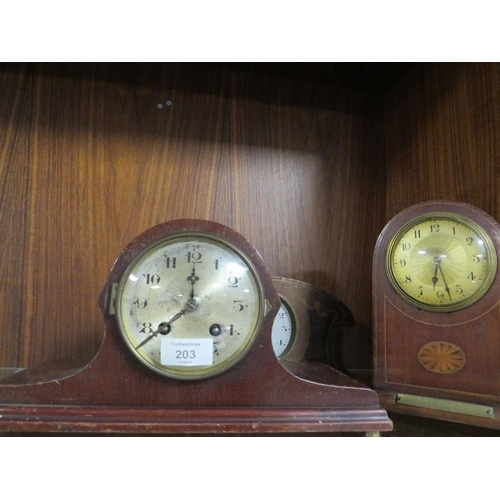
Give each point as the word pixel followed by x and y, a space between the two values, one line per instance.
pixel 147 339
pixel 444 280
pixel 435 279
pixel 163 328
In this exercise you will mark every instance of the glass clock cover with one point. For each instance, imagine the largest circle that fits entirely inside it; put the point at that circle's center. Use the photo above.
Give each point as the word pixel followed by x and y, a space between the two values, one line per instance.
pixel 190 306
pixel 441 262
pixel 283 331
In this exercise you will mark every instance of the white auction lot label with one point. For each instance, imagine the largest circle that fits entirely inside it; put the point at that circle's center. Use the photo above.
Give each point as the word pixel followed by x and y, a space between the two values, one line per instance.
pixel 187 352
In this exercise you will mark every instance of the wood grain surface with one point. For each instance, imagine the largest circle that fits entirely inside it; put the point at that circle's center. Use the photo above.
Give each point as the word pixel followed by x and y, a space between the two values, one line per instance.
pixel 308 173
pixel 442 136
pixel 90 157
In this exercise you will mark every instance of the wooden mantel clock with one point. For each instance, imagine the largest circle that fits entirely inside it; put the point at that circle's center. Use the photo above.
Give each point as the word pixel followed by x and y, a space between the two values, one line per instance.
pixel 189 307
pixel 436 293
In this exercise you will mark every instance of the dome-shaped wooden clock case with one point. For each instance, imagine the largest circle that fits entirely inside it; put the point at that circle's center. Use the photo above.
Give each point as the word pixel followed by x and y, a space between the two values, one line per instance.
pixel 439 357
pixel 116 393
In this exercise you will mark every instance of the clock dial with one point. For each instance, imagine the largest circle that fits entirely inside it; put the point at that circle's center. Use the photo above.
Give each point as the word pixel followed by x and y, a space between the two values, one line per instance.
pixel 190 306
pixel 441 262
pixel 283 331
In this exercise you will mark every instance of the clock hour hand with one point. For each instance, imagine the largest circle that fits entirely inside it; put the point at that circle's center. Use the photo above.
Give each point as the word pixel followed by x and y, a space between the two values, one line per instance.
pixel 192 278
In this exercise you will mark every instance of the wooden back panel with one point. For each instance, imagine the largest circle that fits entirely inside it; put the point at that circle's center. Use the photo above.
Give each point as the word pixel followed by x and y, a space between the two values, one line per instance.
pixel 88 160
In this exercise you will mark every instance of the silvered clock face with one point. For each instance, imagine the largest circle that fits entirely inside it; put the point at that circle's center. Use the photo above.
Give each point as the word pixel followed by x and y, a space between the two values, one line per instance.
pixel 190 306
pixel 441 262
pixel 283 330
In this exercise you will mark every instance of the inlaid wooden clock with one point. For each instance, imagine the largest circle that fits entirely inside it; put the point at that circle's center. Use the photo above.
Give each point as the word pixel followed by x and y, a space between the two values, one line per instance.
pixel 436 292
pixel 188 309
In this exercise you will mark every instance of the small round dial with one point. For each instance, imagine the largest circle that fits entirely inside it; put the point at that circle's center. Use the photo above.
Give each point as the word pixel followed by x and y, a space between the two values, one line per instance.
pixel 190 306
pixel 283 331
pixel 441 262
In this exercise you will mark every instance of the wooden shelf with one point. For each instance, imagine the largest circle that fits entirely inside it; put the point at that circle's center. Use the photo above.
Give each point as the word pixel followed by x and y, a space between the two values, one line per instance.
pixel 307 162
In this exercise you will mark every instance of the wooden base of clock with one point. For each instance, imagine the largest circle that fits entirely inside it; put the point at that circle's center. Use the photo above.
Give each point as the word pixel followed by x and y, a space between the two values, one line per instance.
pixel 439 371
pixel 114 393
pixel 442 409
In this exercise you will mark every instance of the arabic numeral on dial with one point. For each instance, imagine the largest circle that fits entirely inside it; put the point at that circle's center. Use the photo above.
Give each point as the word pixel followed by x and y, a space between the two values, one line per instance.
pixel 141 303
pixel 402 262
pixel 152 279
pixel 435 228
pixel 405 246
pixel 147 328
pixel 469 240
pixel 233 281
pixel 459 289
pixel 232 331
pixel 407 279
pixel 238 305
pixel 471 276
pixel 194 257
pixel 171 262
pixel 421 288
pixel 216 264
pixel 417 233
pixel 475 258
pixel 440 294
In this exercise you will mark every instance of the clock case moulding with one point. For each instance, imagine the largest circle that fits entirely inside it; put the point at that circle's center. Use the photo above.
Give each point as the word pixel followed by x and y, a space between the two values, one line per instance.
pixel 401 330
pixel 115 393
pixel 320 319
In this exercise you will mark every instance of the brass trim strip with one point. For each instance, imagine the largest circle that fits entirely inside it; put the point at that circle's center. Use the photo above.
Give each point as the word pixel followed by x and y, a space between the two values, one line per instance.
pixel 112 299
pixel 448 405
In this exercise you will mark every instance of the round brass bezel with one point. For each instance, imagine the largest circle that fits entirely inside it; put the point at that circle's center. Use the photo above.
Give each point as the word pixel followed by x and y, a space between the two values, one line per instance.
pixel 461 304
pixel 201 372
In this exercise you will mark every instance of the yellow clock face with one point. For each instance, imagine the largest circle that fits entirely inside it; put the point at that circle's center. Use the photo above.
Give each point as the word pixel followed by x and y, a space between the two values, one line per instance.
pixel 441 262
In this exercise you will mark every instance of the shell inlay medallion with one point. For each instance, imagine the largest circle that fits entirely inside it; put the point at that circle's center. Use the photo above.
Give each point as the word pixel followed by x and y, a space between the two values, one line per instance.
pixel 441 357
